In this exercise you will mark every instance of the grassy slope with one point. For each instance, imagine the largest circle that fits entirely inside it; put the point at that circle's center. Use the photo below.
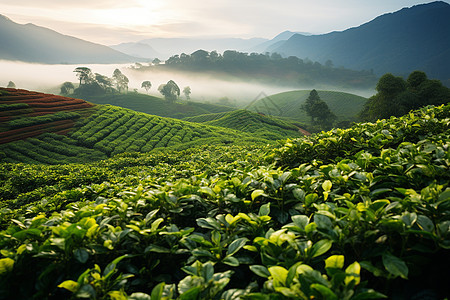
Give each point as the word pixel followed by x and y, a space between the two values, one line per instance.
pixel 346 106
pixel 104 130
pixel 247 121
pixel 157 106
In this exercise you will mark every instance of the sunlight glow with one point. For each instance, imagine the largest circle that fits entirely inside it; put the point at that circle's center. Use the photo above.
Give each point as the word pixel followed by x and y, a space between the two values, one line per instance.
pixel 144 14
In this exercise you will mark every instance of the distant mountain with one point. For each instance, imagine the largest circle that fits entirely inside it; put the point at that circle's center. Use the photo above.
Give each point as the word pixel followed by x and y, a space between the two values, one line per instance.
pixel 415 38
pixel 31 43
pixel 137 49
pixel 171 46
pixel 277 40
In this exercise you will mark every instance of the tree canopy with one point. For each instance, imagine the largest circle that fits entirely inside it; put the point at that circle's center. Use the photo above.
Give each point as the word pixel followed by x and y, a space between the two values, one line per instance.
pixel 146 85
pixel 266 68
pixel 319 111
pixel 67 88
pixel 187 92
pixel 396 97
pixel 170 90
pixel 121 81
pixel 85 75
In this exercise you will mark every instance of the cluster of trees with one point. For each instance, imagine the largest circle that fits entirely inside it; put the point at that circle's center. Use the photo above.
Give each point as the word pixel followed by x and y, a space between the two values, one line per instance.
pixel 94 83
pixel 170 90
pixel 267 67
pixel 318 110
pixel 396 97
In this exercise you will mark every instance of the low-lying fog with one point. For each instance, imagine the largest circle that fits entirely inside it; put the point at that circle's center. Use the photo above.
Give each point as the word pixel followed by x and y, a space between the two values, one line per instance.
pixel 204 87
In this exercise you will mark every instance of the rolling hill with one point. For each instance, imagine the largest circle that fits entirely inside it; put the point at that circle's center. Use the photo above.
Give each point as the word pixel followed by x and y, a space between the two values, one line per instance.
pixel 411 39
pixel 287 105
pixel 31 43
pixel 247 121
pixel 157 106
pixel 42 128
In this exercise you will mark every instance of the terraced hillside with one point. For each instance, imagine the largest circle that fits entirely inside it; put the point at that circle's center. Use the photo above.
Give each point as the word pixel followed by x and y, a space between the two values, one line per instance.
pixel 247 121
pixel 344 105
pixel 26 114
pixel 157 106
pixel 93 132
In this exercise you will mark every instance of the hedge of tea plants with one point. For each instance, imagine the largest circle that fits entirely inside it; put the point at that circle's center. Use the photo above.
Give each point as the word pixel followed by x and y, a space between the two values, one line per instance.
pixel 315 218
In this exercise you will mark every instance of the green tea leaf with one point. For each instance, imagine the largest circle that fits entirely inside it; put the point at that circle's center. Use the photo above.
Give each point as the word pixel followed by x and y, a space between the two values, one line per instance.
pixel 279 275
pixel 326 292
pixel 256 194
pixel 335 261
pixel 409 218
pixel 425 223
pixel 231 261
pixel 69 285
pixel 236 245
pixel 320 248
pixel 395 265
pixel 264 210
pixel 353 272
pixel 327 185
pixel 157 293
pixel 259 270
pixel 143 296
pixel 299 194
pixel 81 255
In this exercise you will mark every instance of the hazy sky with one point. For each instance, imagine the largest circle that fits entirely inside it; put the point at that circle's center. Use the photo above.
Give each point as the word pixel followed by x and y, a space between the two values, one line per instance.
pixel 112 22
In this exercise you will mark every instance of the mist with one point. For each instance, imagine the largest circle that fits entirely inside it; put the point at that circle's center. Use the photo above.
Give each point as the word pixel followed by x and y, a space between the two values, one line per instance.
pixel 204 87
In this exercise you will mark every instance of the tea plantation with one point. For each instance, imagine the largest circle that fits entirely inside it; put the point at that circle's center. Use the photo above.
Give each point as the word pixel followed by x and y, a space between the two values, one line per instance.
pixel 360 213
pixel 70 130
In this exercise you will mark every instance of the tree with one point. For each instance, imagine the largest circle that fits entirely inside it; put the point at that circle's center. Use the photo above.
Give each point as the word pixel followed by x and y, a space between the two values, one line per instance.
pixel 67 88
pixel 104 82
pixel 395 97
pixel 85 75
pixel 156 61
pixel 187 92
pixel 146 85
pixel 416 78
pixel 170 90
pixel 318 110
pixel 120 80
pixel 11 85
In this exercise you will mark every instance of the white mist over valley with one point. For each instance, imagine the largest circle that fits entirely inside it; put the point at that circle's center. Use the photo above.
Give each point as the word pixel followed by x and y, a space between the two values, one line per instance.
pixel 205 87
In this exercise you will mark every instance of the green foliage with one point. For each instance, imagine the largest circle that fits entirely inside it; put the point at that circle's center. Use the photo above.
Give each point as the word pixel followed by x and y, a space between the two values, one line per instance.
pixel 396 97
pixel 259 125
pixel 120 80
pixel 67 88
pixel 288 105
pixel 170 91
pixel 31 121
pixel 371 138
pixel 157 106
pixel 146 85
pixel 223 222
pixel 319 111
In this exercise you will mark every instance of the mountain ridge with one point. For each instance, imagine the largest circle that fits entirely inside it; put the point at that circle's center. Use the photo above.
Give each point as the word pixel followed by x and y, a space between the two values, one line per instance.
pixel 398 42
pixel 51 47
